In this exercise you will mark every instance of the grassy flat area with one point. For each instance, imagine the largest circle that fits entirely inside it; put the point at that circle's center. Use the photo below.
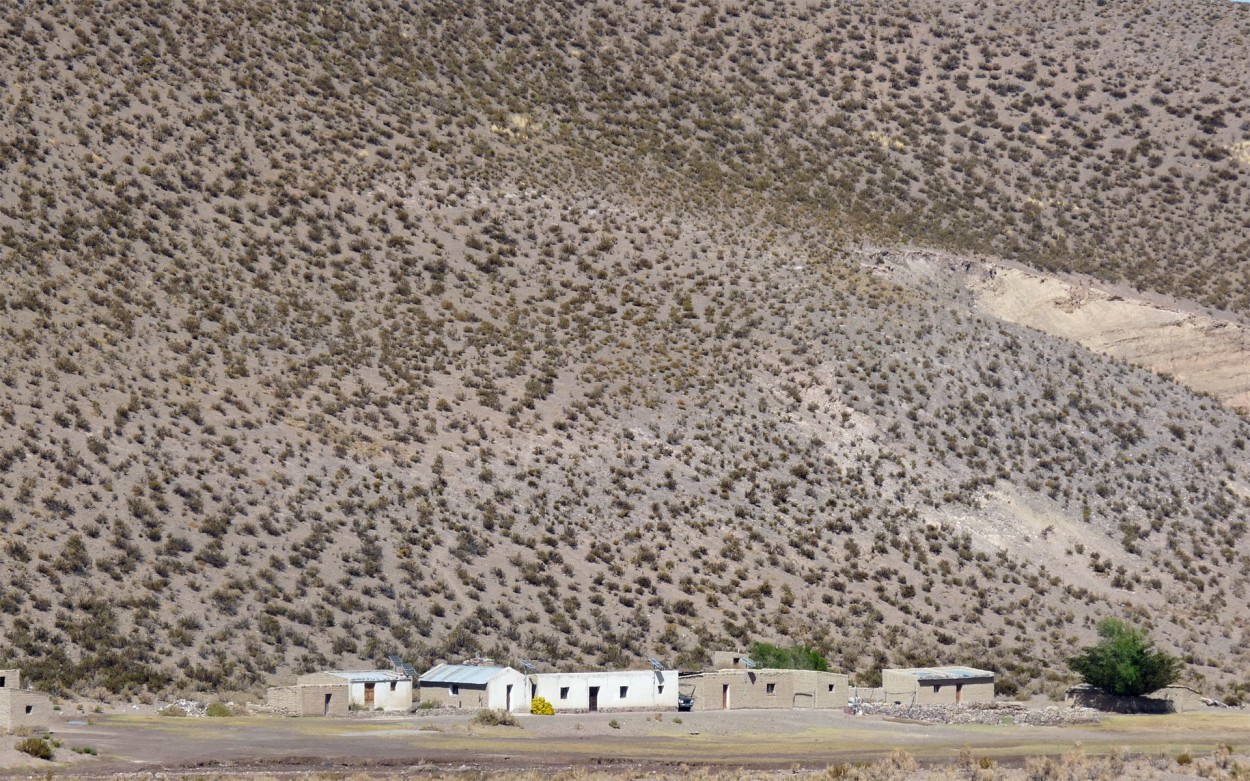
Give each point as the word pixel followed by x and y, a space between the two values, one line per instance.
pixel 757 739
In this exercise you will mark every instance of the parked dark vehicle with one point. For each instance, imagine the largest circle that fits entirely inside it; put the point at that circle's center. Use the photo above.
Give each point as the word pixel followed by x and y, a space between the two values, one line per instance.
pixel 685 702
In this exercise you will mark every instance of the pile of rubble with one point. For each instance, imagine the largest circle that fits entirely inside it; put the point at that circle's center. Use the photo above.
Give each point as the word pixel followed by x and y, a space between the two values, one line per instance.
pixel 985 713
pixel 188 707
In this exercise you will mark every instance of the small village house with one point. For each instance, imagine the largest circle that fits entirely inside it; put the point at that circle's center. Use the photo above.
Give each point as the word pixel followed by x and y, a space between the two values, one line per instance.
pixel 21 707
pixel 475 686
pixel 937 685
pixel 367 689
pixel 618 690
pixel 733 689
pixel 310 699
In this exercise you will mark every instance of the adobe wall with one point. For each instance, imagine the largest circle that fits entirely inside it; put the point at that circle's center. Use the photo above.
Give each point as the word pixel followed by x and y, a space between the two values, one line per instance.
pixel 1171 699
pixel 10 679
pixel 309 699
pixel 391 695
pixel 955 692
pixel 473 697
pixel 24 709
pixel 766 689
pixel 908 690
pixel 728 660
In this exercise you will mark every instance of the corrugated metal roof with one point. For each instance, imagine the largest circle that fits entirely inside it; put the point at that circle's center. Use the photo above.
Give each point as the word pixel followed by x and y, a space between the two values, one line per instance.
pixel 468 674
pixel 949 673
pixel 367 676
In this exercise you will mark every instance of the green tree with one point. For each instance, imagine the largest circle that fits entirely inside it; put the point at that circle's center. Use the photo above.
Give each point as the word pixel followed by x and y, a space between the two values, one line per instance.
pixel 798 657
pixel 1125 662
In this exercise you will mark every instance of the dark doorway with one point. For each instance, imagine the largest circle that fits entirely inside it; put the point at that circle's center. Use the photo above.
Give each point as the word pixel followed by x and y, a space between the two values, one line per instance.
pixel 724 696
pixel 368 695
pixel 508 699
pixel 326 712
pixel 594 698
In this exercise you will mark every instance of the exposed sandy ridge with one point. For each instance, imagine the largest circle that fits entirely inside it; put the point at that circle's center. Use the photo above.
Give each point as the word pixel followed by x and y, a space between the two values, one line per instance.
pixel 1207 352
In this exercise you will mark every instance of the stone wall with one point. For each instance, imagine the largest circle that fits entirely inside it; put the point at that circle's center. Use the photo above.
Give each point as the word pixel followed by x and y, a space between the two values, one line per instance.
pixel 1172 699
pixel 310 699
pixel 10 679
pixel 24 709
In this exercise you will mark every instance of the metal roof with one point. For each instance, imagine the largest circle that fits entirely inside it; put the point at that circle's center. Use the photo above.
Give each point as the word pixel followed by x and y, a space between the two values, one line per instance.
pixel 944 673
pixel 367 676
pixel 468 674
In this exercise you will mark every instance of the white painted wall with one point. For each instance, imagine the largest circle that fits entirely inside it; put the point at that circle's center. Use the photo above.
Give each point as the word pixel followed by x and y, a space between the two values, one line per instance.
pixel 644 689
pixel 497 692
pixel 387 695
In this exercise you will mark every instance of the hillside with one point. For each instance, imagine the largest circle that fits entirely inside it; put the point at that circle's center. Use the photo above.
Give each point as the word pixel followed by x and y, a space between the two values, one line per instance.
pixel 447 330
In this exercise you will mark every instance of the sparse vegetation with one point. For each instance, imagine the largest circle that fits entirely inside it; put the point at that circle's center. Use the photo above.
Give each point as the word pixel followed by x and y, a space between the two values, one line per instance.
pixel 37 747
pixel 495 718
pixel 584 351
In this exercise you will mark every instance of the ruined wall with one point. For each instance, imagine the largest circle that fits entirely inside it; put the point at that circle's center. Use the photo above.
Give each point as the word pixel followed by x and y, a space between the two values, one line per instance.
pixel 1172 699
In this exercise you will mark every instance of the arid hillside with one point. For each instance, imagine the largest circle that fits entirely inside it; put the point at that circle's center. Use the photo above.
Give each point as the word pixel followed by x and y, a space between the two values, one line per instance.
pixel 539 332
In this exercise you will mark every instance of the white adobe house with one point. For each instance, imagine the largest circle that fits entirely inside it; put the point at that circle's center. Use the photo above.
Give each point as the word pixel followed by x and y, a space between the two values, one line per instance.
pixel 368 689
pixel 475 686
pixel 602 691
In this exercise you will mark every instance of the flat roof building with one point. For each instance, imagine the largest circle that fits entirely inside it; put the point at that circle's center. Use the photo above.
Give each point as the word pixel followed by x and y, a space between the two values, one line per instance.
pixel 737 689
pixel 310 699
pixel 937 685
pixel 21 707
pixel 619 690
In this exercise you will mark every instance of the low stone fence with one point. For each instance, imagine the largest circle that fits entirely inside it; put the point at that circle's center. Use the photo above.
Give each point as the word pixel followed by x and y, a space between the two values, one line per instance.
pixel 984 713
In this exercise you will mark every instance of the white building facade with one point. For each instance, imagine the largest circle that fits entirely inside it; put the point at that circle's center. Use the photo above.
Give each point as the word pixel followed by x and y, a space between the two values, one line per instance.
pixel 618 690
pixel 369 689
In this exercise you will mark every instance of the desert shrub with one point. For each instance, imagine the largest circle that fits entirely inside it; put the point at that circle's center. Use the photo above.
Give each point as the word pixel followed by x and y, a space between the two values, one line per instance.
pixel 614 724
pixel 39 748
pixel 1184 758
pixel 218 709
pixel 171 710
pixel 541 707
pixel 798 657
pixel 495 718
